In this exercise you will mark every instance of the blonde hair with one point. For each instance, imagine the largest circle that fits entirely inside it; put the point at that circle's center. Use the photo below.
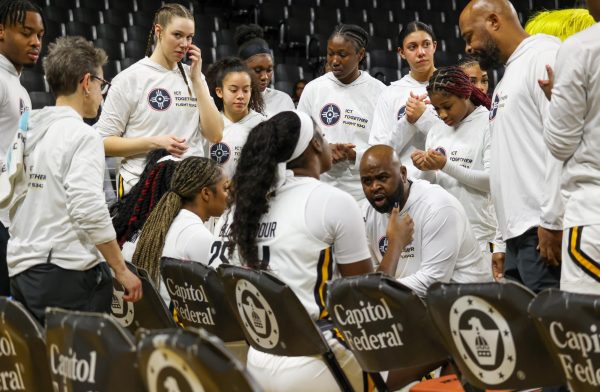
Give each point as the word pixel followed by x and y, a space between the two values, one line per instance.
pixel 560 23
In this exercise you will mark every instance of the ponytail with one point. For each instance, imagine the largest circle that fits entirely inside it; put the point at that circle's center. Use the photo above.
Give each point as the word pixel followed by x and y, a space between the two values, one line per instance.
pixel 454 80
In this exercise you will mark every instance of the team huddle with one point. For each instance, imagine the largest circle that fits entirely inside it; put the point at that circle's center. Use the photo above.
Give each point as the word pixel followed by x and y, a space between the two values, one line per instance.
pixel 425 180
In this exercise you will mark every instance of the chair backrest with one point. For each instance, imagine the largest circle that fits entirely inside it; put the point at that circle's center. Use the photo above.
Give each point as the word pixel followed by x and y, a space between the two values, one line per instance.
pixel 149 313
pixel 385 324
pixel 272 318
pixel 194 360
pixel 198 296
pixel 90 352
pixel 570 325
pixel 490 335
pixel 22 350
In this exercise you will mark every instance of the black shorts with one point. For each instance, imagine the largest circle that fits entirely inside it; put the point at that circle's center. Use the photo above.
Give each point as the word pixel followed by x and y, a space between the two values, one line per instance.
pixel 47 284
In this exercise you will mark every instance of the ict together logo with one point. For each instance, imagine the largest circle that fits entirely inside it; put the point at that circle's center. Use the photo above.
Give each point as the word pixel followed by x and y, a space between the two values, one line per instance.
pixel 495 104
pixel 220 153
pixel 383 245
pixel 401 112
pixel 159 99
pixel 330 114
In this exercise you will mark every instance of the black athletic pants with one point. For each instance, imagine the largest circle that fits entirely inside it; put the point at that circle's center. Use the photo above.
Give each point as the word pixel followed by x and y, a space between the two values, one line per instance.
pixel 4 282
pixel 47 284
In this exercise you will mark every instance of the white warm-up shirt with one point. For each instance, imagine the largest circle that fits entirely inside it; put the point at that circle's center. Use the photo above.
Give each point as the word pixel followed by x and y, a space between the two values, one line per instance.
pixel 572 127
pixel 391 127
pixel 228 150
pixel 276 101
pixel 309 228
pixel 14 101
pixel 524 177
pixel 63 213
pixel 443 247
pixel 147 99
pixel 344 113
pixel 466 172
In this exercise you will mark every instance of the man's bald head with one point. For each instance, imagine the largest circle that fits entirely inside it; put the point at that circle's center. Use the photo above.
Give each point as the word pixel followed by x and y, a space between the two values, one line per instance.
pixel 491 30
pixel 379 155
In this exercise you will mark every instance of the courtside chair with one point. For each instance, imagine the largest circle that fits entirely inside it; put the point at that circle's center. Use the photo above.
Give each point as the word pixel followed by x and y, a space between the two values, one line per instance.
pixel 569 323
pixel 90 352
pixel 492 339
pixel 385 324
pixel 150 312
pixel 194 360
pixel 273 319
pixel 198 297
pixel 22 349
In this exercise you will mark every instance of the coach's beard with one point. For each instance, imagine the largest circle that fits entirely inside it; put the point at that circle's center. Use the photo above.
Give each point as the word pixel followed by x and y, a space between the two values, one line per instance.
pixel 397 196
pixel 489 57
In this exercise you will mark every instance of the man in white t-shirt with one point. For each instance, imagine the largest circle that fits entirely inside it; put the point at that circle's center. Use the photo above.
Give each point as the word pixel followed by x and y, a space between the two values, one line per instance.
pixel 524 177
pixel 571 132
pixel 21 29
pixel 444 247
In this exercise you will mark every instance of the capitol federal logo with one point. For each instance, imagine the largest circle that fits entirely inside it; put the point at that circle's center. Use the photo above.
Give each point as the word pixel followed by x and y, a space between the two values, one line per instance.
pixel 483 339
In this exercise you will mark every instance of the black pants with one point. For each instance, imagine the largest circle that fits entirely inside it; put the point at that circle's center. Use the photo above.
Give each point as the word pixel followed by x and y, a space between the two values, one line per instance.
pixel 524 264
pixel 47 284
pixel 4 282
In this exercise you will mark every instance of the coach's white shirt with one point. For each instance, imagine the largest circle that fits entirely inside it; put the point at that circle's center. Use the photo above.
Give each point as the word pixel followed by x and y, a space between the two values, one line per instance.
pixel 572 127
pixel 443 249
pixel 227 151
pixel 309 228
pixel 344 112
pixel 14 101
pixel 147 99
pixel 64 211
pixel 524 177
pixel 276 101
pixel 466 173
pixel 391 127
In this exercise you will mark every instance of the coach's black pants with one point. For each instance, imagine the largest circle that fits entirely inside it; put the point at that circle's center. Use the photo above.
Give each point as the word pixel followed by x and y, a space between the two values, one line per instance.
pixel 524 264
pixel 47 284
pixel 4 282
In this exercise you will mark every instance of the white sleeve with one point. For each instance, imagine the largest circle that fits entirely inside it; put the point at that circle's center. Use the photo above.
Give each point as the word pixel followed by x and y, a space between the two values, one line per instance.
pixel 428 120
pixel 552 207
pixel 338 220
pixel 402 134
pixel 478 179
pixel 563 128
pixel 116 110
pixel 442 238
pixel 305 100
pixel 196 242
pixel 83 183
pixel 384 121
pixel 287 103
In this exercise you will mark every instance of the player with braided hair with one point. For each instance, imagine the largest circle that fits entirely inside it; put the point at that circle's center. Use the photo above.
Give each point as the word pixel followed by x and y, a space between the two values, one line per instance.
pixel 159 102
pixel 175 227
pixel 457 151
pixel 342 102
pixel 130 213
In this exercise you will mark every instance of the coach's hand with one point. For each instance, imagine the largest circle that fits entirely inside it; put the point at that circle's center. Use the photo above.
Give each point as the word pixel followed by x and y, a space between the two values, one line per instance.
pixel 195 55
pixel 400 229
pixel 498 265
pixel 549 246
pixel 415 107
pixel 547 84
pixel 174 145
pixel 131 283
pixel 419 158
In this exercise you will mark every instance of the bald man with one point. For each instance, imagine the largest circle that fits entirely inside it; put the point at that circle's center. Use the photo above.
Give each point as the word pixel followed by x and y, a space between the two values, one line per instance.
pixel 443 247
pixel 524 177
pixel 572 131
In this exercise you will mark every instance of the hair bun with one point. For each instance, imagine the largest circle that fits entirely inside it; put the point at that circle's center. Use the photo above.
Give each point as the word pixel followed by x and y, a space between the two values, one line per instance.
pixel 245 33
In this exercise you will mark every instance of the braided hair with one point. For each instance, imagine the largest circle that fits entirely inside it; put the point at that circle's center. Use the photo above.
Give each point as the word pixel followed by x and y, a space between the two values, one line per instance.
pixel 130 212
pixel 270 142
pixel 219 70
pixel 354 33
pixel 13 12
pixel 162 17
pixel 190 177
pixel 453 80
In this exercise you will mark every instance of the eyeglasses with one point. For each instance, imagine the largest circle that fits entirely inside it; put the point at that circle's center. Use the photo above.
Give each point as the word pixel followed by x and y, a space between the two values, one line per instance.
pixel 104 85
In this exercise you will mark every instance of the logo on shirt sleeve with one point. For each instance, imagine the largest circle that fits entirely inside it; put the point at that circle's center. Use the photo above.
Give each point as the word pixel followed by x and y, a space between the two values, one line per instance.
pixel 159 99
pixel 401 112
pixel 441 150
pixel 330 114
pixel 383 245
pixel 23 106
pixel 220 153
pixel 495 104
